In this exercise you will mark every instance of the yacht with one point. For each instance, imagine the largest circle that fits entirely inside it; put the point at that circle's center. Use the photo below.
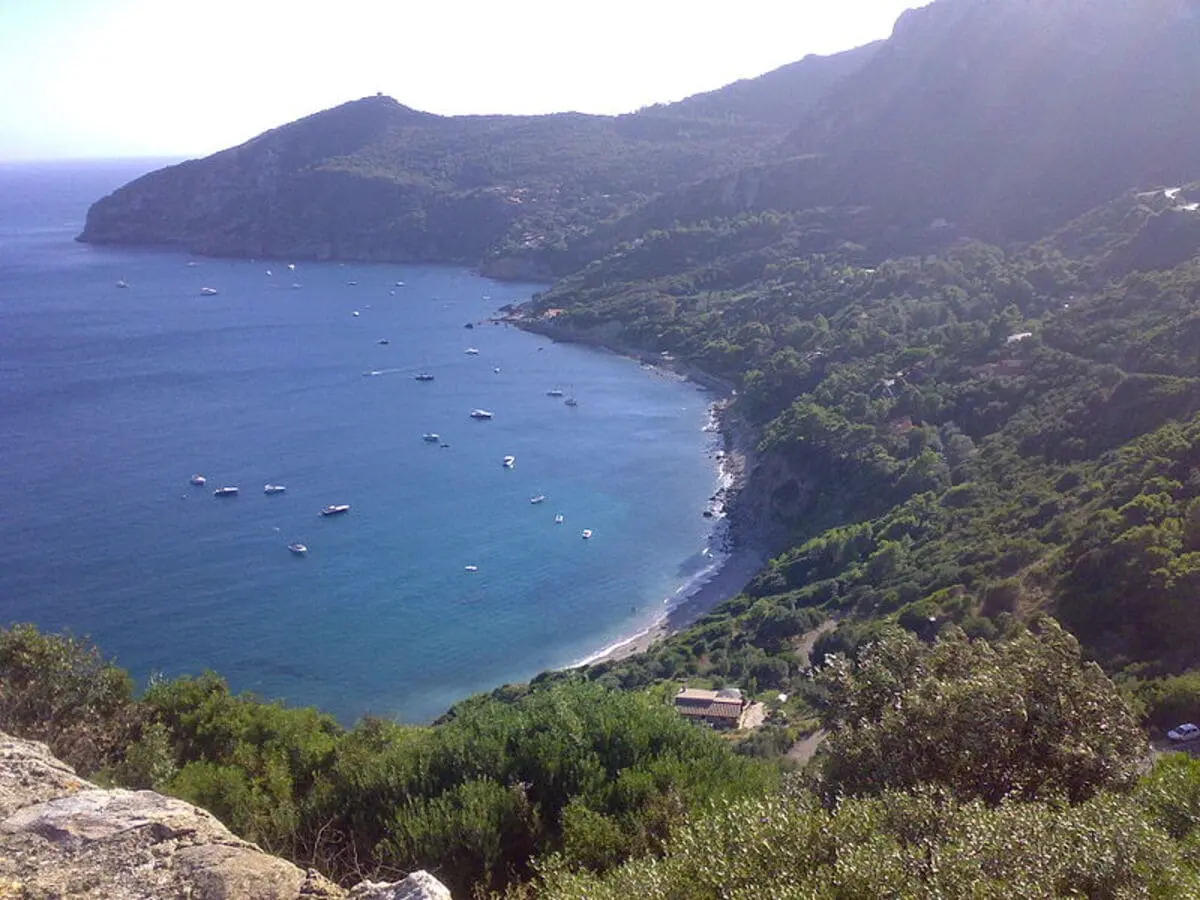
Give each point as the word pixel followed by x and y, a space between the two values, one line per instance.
pixel 225 492
pixel 298 549
pixel 198 480
pixel 508 462
pixel 431 437
pixel 586 533
pixel 471 351
pixel 540 498
pixel 208 291
pixel 559 519
pixel 470 568
pixel 273 488
pixel 423 376
pixel 480 414
pixel 336 509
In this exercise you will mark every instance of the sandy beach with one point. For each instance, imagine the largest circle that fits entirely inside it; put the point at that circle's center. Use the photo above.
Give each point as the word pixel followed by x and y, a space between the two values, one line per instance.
pixel 727 582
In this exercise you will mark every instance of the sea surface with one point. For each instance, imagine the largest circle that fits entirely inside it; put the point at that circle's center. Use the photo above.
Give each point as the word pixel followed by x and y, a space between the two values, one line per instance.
pixel 112 397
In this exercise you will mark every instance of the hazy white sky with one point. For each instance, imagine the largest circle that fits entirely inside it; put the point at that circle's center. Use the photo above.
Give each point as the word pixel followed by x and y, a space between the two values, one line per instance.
pixel 92 78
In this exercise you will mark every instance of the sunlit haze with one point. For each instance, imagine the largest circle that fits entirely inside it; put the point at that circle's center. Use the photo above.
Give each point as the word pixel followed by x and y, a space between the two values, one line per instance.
pixel 105 78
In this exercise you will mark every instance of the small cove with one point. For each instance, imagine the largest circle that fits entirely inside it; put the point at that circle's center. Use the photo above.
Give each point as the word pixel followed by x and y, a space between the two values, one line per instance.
pixel 112 398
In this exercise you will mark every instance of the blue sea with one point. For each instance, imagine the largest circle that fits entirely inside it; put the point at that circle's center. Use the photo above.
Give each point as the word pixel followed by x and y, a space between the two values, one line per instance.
pixel 111 398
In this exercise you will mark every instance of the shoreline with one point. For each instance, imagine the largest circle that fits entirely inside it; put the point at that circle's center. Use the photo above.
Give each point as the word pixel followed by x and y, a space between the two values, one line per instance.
pixel 743 556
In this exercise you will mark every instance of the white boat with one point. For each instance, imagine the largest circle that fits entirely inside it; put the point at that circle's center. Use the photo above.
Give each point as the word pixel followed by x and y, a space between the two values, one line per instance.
pixel 508 462
pixel 480 414
pixel 198 480
pixel 496 370
pixel 192 265
pixel 225 492
pixel 586 533
pixel 559 519
pixel 470 568
pixel 356 314
pixel 430 437
pixel 554 392
pixel 298 549
pixel 540 498
pixel 291 267
pixel 122 283
pixel 208 291
pixel 273 488
pixel 336 509
pixel 352 283
pixel 471 351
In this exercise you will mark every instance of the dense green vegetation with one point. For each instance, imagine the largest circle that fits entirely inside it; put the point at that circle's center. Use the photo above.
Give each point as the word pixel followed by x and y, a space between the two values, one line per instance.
pixel 953 769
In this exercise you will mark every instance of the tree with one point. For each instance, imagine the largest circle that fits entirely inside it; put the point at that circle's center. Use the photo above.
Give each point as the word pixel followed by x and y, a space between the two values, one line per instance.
pixel 1026 718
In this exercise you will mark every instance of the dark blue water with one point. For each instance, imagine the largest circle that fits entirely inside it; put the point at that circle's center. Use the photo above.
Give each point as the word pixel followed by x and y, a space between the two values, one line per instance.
pixel 111 398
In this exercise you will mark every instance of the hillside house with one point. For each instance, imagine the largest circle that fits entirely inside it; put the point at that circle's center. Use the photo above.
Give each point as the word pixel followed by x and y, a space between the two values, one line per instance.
pixel 726 708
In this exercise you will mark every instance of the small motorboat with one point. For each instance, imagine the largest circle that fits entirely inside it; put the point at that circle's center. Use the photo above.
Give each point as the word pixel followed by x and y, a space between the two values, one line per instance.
pixel 198 480
pixel 399 284
pixel 274 489
pixel 571 401
pixel 480 414
pixel 356 314
pixel 122 283
pixel 444 446
pixel 540 498
pixel 471 351
pixel 586 533
pixel 336 509
pixel 208 291
pixel 192 265
pixel 383 342
pixel 508 462
pixel 298 549
pixel 559 519
pixel 352 283
pixel 431 438
pixel 554 392
pixel 423 376
pixel 225 492
pixel 469 325
pixel 470 568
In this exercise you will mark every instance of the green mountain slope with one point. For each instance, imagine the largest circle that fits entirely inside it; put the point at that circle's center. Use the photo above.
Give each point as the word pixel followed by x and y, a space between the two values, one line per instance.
pixel 375 180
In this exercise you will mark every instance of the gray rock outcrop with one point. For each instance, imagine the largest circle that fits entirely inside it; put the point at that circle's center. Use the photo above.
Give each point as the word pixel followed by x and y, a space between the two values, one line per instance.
pixel 61 836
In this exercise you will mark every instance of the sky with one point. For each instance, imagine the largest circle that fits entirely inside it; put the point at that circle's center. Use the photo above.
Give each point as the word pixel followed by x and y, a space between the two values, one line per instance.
pixel 174 78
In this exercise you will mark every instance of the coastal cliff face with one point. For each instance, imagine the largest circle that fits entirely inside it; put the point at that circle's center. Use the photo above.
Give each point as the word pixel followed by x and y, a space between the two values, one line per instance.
pixel 61 836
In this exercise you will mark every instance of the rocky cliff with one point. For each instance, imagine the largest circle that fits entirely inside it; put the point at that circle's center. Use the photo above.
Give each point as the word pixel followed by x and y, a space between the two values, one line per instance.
pixel 61 836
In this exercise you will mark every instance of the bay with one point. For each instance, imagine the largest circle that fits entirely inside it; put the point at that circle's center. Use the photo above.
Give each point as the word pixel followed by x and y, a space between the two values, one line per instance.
pixel 112 397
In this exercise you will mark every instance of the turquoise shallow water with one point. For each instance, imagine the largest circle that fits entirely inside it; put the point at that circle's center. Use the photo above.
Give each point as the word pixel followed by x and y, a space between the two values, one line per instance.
pixel 111 398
